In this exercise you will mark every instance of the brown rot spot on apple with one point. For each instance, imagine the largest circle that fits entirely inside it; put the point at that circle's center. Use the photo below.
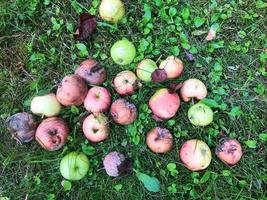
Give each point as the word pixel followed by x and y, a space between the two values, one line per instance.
pixel 52 133
pixel 229 150
pixel 22 127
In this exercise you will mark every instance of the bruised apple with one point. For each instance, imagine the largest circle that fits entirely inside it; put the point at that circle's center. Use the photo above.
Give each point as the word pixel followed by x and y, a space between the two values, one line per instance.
pixel 195 155
pixel 164 104
pixel 123 112
pixel 145 69
pixel 91 72
pixel 71 91
pixel 97 100
pixel 229 150
pixel 193 88
pixel 200 114
pixel 74 166
pixel 95 127
pixel 22 127
pixel 125 83
pixel 159 140
pixel 46 105
pixel 111 10
pixel 116 164
pixel 123 52
pixel 173 67
pixel 52 133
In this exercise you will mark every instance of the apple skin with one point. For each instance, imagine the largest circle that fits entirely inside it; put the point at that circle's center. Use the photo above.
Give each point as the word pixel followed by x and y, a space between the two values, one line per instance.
pixel 95 127
pixel 123 52
pixel 74 166
pixel 123 112
pixel 46 105
pixel 145 69
pixel 112 162
pixel 52 133
pixel 164 104
pixel 159 140
pixel 195 155
pixel 200 114
pixel 173 67
pixel 97 100
pixel 193 88
pixel 125 83
pixel 111 10
pixel 229 151
pixel 71 91
pixel 22 127
pixel 91 72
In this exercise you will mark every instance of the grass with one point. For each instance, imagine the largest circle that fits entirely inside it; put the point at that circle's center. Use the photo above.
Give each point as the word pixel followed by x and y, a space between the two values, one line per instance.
pixel 38 49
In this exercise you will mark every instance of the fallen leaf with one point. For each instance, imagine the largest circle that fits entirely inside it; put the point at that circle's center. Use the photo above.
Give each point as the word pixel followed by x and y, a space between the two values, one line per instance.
pixel 159 75
pixel 86 26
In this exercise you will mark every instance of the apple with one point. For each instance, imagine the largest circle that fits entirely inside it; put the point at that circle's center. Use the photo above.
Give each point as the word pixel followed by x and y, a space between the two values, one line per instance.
pixel 145 69
pixel 173 67
pixel 72 91
pixel 113 162
pixel 193 88
pixel 123 112
pixel 195 155
pixel 52 133
pixel 97 100
pixel 164 104
pixel 229 150
pixel 111 10
pixel 46 105
pixel 74 166
pixel 22 127
pixel 125 83
pixel 159 140
pixel 123 52
pixel 92 72
pixel 200 114
pixel 95 127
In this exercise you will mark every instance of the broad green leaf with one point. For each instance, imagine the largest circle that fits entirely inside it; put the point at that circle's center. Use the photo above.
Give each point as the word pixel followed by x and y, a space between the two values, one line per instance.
pixel 199 21
pixel 172 11
pixel 251 144
pixel 147 15
pixel 117 187
pixel 263 137
pixel 205 177
pixel 152 184
pixel 66 185
pixel 185 13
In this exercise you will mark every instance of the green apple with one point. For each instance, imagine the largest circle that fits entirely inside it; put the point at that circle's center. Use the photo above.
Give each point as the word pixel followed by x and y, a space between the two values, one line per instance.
pixel 145 69
pixel 46 105
pixel 74 166
pixel 200 114
pixel 123 52
pixel 111 10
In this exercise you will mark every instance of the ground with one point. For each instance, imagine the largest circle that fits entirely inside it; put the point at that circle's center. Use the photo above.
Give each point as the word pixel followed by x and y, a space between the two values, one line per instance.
pixel 38 48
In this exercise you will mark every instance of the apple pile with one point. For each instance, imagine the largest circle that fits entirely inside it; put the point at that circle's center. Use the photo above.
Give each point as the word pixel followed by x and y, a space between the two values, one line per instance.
pixel 84 88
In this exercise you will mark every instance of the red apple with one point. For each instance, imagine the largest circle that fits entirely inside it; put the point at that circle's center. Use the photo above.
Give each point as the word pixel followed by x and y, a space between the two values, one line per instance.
pixel 95 127
pixel 164 104
pixel 159 140
pixel 92 72
pixel 193 88
pixel 173 67
pixel 52 133
pixel 123 112
pixel 125 83
pixel 97 100
pixel 71 91
pixel 229 150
